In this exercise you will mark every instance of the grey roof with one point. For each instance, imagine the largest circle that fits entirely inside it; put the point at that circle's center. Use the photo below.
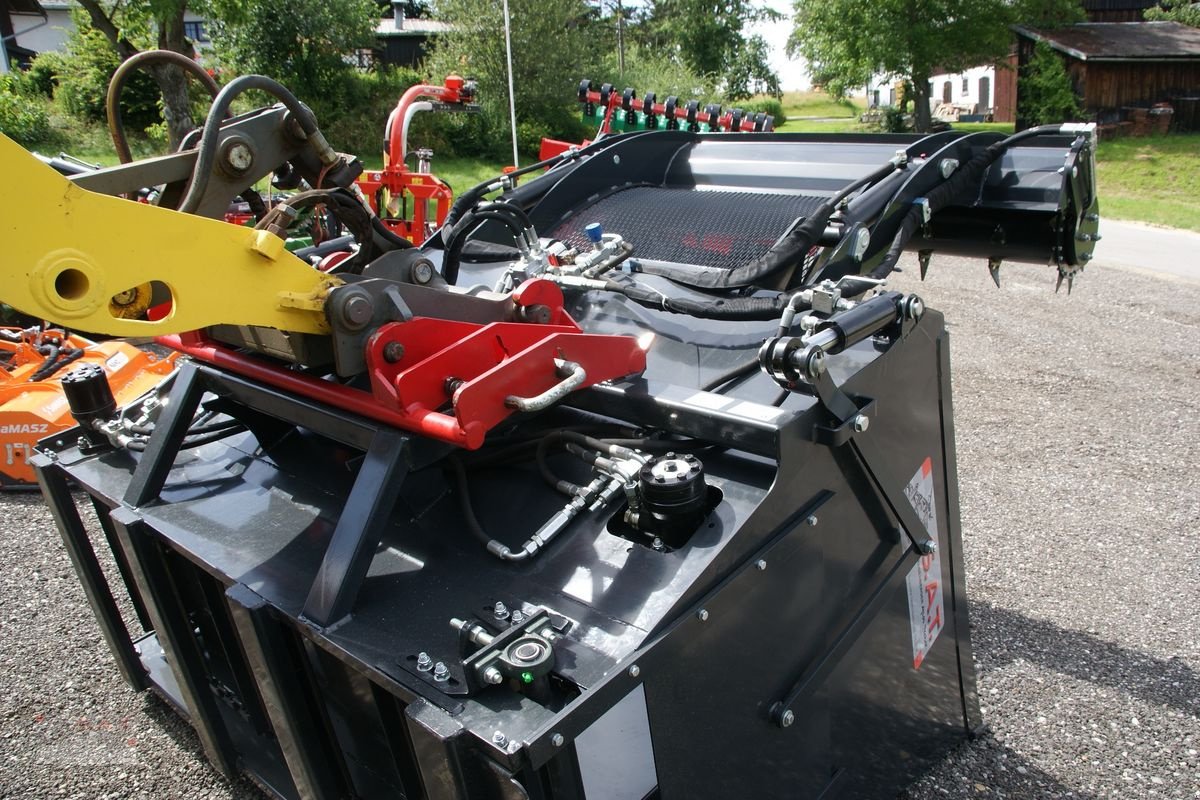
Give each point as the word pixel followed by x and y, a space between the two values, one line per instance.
pixel 1122 41
pixel 24 7
pixel 412 27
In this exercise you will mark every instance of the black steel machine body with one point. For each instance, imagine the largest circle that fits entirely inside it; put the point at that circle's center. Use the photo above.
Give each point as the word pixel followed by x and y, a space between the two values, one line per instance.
pixel 755 588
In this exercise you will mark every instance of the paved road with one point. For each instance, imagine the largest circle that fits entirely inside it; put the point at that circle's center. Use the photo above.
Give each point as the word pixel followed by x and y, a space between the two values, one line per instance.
pixel 1079 436
pixel 1139 247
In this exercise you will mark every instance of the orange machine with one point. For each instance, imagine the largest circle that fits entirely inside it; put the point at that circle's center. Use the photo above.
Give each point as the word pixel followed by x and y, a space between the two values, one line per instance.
pixel 32 404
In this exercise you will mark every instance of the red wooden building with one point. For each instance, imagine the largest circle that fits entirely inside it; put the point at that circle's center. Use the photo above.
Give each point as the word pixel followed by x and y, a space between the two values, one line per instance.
pixel 1123 65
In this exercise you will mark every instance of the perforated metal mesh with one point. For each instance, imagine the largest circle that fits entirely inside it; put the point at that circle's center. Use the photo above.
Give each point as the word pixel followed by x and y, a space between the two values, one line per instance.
pixel 711 228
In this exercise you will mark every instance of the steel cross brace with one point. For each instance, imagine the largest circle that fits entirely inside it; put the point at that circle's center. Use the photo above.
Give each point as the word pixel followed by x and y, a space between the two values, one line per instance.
pixel 850 418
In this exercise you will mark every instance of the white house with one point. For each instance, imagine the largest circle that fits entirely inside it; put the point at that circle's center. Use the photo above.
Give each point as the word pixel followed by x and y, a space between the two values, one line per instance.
pixel 34 32
pixel 976 87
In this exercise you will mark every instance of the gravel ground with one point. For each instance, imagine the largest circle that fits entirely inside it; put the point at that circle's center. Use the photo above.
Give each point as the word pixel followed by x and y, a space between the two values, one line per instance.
pixel 1078 433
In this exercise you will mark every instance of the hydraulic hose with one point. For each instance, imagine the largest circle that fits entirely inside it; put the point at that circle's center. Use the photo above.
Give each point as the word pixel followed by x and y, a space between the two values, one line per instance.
pixel 733 374
pixel 458 237
pixel 784 254
pixel 207 149
pixel 943 195
pixel 468 199
pixel 116 85
pixel 733 308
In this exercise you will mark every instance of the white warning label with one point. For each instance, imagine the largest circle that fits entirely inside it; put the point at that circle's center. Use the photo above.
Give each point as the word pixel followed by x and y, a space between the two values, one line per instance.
pixel 925 579
pixel 115 362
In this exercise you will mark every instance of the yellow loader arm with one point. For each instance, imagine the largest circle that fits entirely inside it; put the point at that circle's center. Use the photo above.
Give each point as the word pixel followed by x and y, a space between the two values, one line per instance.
pixel 69 252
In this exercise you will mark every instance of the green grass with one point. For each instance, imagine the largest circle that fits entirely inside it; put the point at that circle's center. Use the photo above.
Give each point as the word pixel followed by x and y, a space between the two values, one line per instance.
pixel 1153 179
pixel 978 127
pixel 848 125
pixel 818 104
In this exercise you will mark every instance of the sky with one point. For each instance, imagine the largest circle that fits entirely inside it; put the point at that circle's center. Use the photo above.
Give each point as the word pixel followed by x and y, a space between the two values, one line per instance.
pixel 792 74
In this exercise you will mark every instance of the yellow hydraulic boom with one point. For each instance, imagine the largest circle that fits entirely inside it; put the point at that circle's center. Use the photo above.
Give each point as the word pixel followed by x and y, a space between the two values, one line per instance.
pixel 76 257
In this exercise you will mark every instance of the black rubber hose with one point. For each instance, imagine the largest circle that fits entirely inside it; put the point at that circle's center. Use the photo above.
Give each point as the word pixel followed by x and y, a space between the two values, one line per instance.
pixel 467 200
pixel 943 195
pixel 207 149
pixel 397 242
pixel 51 353
pixel 504 207
pixel 784 254
pixel 61 360
pixel 733 374
pixel 464 500
pixel 116 85
pixel 452 257
pixel 734 308
pixel 555 437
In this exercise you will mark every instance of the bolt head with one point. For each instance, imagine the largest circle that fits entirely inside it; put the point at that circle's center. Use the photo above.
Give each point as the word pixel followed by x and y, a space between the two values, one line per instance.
pixel 861 423
pixel 422 272
pixel 760 565
pixel 393 352
pixel 816 364
pixel 702 615
pixel 812 520
pixel 862 241
pixel 557 740
pixel 424 662
pixel 787 718
pixel 634 671
pixel 493 676
pixel 441 672
pixel 239 157
pixel 499 738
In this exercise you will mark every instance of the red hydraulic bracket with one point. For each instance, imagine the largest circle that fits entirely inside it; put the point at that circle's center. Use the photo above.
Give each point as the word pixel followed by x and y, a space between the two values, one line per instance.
pixel 484 373
pixel 454 381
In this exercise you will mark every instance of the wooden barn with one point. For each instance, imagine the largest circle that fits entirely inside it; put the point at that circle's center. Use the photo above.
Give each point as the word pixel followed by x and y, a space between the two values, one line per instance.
pixel 1116 10
pixel 1118 66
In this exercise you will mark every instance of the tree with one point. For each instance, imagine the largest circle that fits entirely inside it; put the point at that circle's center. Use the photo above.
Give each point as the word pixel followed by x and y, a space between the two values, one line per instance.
pixel 709 36
pixel 1185 11
pixel 1046 95
pixel 144 21
pixel 554 46
pixel 848 41
pixel 303 44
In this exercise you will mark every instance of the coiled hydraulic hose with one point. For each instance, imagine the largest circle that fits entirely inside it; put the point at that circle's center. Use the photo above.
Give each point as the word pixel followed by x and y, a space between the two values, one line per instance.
pixel 509 215
pixel 207 150
pixel 116 85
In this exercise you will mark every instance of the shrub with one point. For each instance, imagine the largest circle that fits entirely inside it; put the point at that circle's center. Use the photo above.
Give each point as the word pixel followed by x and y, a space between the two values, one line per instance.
pixel 767 105
pixel 42 75
pixel 1045 91
pixel 893 120
pixel 83 76
pixel 23 118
